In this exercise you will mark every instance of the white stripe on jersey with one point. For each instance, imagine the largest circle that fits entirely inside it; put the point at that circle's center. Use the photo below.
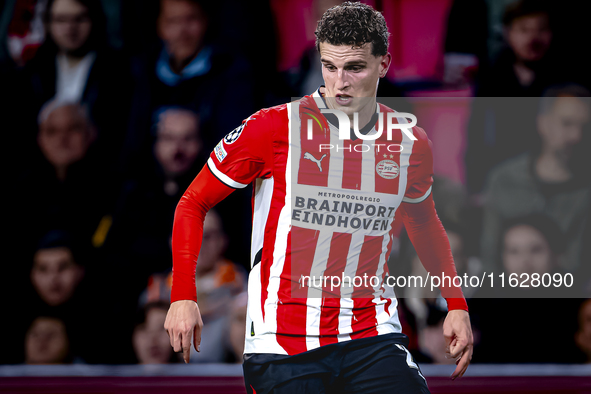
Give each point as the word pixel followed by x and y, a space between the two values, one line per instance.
pixel 419 199
pixel 263 193
pixel 223 177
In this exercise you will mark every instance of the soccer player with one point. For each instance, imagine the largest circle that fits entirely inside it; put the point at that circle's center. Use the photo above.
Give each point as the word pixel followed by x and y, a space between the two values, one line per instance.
pixel 324 211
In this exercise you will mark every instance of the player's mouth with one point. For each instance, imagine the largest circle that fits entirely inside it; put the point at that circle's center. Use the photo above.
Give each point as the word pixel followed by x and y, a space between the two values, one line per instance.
pixel 343 99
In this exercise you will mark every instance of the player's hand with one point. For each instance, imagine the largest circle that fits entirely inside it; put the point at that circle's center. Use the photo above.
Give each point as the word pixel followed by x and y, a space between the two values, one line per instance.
pixel 183 322
pixel 458 340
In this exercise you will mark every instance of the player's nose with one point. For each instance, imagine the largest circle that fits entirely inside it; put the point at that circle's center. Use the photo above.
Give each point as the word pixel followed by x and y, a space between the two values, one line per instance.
pixel 342 82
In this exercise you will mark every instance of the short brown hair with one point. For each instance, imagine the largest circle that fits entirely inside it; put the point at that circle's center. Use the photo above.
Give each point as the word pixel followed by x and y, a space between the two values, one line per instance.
pixel 353 24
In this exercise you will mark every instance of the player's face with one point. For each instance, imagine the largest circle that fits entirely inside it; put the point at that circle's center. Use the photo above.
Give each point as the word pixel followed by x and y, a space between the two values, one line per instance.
pixel 182 26
pixel 55 275
pixel 530 37
pixel 563 127
pixel 46 342
pixel 69 25
pixel 526 251
pixel 178 143
pixel 64 137
pixel 351 72
pixel 150 340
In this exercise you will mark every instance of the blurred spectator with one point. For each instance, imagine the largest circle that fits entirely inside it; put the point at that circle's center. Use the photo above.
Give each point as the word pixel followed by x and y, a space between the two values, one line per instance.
pixel 465 42
pixel 552 179
pixel 55 274
pixel 178 145
pixel 432 347
pixel 419 300
pixel 583 335
pixel 142 220
pixel 67 181
pixel 532 244
pixel 65 283
pixel 218 282
pixel 502 121
pixel 75 64
pixel 238 325
pixel 65 135
pixel 220 289
pixel 218 279
pixel 524 68
pixel 189 70
pixel 150 340
pixel 47 342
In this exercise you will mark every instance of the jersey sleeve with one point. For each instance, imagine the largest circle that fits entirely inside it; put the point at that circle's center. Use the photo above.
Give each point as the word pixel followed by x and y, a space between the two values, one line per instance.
pixel 420 171
pixel 245 153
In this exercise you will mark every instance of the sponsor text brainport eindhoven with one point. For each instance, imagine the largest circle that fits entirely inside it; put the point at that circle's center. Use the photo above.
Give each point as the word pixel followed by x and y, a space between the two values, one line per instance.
pixel 325 212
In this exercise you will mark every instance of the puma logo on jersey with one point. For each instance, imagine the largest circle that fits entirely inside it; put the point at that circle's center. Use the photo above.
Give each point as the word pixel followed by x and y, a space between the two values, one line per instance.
pixel 309 156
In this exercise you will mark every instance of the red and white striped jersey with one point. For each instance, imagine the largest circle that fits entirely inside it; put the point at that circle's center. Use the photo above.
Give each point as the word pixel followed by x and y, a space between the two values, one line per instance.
pixel 320 212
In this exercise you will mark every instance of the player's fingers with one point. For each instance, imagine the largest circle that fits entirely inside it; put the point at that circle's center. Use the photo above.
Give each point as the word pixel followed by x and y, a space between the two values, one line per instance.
pixel 186 345
pixel 457 347
pixel 197 337
pixel 449 346
pixel 176 340
pixel 462 364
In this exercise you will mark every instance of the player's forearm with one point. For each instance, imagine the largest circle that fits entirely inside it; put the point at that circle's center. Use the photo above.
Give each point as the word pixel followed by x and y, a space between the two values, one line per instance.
pixel 429 238
pixel 187 232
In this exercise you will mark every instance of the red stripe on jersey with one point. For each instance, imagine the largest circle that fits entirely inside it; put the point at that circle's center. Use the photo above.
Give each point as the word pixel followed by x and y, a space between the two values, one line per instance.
pixel 331 302
pixel 364 309
pixel 314 161
pixel 291 312
pixel 351 165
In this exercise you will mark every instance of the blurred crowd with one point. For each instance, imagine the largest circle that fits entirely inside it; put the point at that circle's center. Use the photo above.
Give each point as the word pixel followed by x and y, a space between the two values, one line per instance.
pixel 111 108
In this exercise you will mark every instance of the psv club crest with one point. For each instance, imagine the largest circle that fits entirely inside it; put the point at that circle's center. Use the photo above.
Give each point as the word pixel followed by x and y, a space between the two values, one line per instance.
pixel 387 169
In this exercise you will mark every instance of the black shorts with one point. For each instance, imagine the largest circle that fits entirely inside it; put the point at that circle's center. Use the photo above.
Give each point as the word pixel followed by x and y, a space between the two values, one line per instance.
pixel 381 364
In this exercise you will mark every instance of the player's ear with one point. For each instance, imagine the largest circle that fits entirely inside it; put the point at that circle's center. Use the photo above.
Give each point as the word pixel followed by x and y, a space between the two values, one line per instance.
pixel 385 62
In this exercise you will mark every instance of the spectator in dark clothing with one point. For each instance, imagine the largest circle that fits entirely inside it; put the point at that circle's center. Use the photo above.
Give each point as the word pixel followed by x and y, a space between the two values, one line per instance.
pixel 551 179
pixel 531 245
pixel 502 122
pixel 65 282
pixel 75 64
pixel 189 70
pixel 138 242
pixel 67 180
pixel 524 68
pixel 142 222
pixel 465 42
